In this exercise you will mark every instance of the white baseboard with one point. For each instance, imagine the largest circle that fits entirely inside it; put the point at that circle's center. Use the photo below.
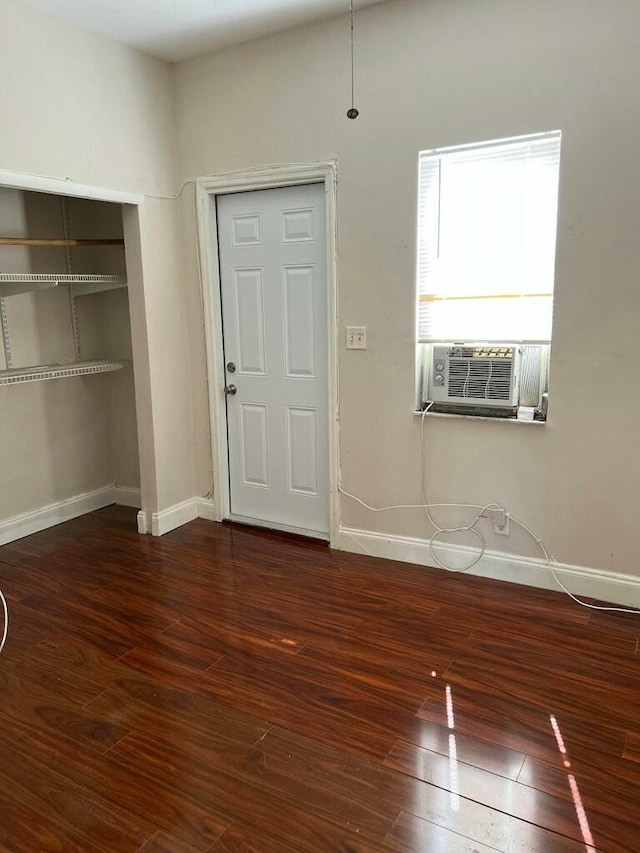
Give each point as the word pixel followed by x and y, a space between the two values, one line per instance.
pixel 159 523
pixel 144 525
pixel 156 523
pixel 206 509
pixel 124 496
pixel 582 581
pixel 47 516
pixel 175 516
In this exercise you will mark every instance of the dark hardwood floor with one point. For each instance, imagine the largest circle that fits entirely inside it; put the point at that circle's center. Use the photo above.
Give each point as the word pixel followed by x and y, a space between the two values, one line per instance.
pixel 225 689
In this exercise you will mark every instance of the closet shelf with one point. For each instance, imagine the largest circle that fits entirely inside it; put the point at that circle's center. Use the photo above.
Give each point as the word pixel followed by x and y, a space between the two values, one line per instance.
pixel 15 283
pixel 67 242
pixel 18 375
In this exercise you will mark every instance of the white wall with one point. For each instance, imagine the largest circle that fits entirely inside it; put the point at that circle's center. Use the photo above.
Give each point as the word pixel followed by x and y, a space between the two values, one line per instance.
pixel 80 107
pixel 432 73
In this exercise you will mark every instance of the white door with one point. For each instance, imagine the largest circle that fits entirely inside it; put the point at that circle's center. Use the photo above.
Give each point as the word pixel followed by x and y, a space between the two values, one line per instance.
pixel 272 247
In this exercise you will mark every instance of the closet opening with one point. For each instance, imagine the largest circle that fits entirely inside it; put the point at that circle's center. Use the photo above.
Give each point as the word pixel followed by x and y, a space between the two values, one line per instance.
pixel 68 426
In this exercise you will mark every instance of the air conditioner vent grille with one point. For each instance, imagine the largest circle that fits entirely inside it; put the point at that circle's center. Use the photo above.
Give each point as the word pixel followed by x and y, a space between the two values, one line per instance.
pixel 480 378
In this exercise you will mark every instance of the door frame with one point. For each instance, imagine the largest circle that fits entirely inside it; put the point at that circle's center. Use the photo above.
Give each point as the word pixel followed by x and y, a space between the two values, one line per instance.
pixel 206 189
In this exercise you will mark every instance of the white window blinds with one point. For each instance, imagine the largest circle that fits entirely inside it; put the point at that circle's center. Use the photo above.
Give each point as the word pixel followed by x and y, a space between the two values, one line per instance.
pixel 486 240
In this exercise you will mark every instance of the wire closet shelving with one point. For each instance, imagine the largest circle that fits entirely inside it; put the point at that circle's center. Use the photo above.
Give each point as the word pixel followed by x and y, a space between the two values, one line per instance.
pixel 13 284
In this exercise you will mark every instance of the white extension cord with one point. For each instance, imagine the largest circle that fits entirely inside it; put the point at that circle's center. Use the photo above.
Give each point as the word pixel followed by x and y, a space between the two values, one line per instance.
pixel 472 528
pixel 6 620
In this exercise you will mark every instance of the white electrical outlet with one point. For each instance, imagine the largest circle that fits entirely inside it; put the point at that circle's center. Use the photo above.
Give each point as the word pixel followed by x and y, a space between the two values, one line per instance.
pixel 356 337
pixel 500 519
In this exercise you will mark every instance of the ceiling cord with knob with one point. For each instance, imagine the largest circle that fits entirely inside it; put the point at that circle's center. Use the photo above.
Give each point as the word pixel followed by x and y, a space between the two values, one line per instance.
pixel 352 112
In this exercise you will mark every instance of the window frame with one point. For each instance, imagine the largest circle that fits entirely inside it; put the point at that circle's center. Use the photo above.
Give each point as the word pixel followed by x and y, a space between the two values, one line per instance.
pixel 549 144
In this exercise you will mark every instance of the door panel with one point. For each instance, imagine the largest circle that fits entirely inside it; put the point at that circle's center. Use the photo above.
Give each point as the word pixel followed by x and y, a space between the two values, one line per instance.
pixel 246 230
pixel 248 293
pixel 254 432
pixel 297 225
pixel 299 322
pixel 272 246
pixel 302 454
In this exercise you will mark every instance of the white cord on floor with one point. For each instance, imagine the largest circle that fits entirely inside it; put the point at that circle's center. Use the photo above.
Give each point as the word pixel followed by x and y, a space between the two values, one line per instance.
pixel 6 620
pixel 471 528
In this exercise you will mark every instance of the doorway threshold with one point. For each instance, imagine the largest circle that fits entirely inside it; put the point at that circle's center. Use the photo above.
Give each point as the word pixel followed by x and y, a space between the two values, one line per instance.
pixel 274 527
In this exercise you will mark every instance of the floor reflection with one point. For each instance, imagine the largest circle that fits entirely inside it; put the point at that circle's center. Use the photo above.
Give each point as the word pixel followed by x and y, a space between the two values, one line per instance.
pixel 454 785
pixel 575 791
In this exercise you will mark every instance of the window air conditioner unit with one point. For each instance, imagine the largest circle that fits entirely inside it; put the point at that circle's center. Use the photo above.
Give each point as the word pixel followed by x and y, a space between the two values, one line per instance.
pixel 474 375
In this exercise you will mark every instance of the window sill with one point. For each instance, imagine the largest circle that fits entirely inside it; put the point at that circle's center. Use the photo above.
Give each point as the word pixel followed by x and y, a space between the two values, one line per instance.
pixel 485 418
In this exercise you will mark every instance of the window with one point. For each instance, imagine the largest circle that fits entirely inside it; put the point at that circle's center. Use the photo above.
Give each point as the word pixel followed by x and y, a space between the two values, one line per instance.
pixel 486 254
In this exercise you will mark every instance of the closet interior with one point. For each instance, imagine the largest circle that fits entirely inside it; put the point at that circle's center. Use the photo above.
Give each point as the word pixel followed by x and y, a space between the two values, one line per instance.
pixel 67 400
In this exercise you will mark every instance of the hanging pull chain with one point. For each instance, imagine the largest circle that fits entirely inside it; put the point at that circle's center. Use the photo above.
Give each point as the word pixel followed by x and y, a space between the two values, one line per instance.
pixel 353 112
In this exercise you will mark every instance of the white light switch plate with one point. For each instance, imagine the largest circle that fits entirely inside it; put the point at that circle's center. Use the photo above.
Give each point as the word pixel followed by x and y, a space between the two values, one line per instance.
pixel 356 337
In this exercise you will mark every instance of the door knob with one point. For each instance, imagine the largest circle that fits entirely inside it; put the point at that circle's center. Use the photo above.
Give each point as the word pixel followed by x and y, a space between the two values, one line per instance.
pixel 230 390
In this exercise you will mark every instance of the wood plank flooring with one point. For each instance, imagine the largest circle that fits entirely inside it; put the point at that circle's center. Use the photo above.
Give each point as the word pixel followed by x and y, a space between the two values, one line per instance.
pixel 223 689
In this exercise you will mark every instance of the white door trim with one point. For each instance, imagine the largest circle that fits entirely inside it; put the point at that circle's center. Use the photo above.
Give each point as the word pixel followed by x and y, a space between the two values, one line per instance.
pixel 269 177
